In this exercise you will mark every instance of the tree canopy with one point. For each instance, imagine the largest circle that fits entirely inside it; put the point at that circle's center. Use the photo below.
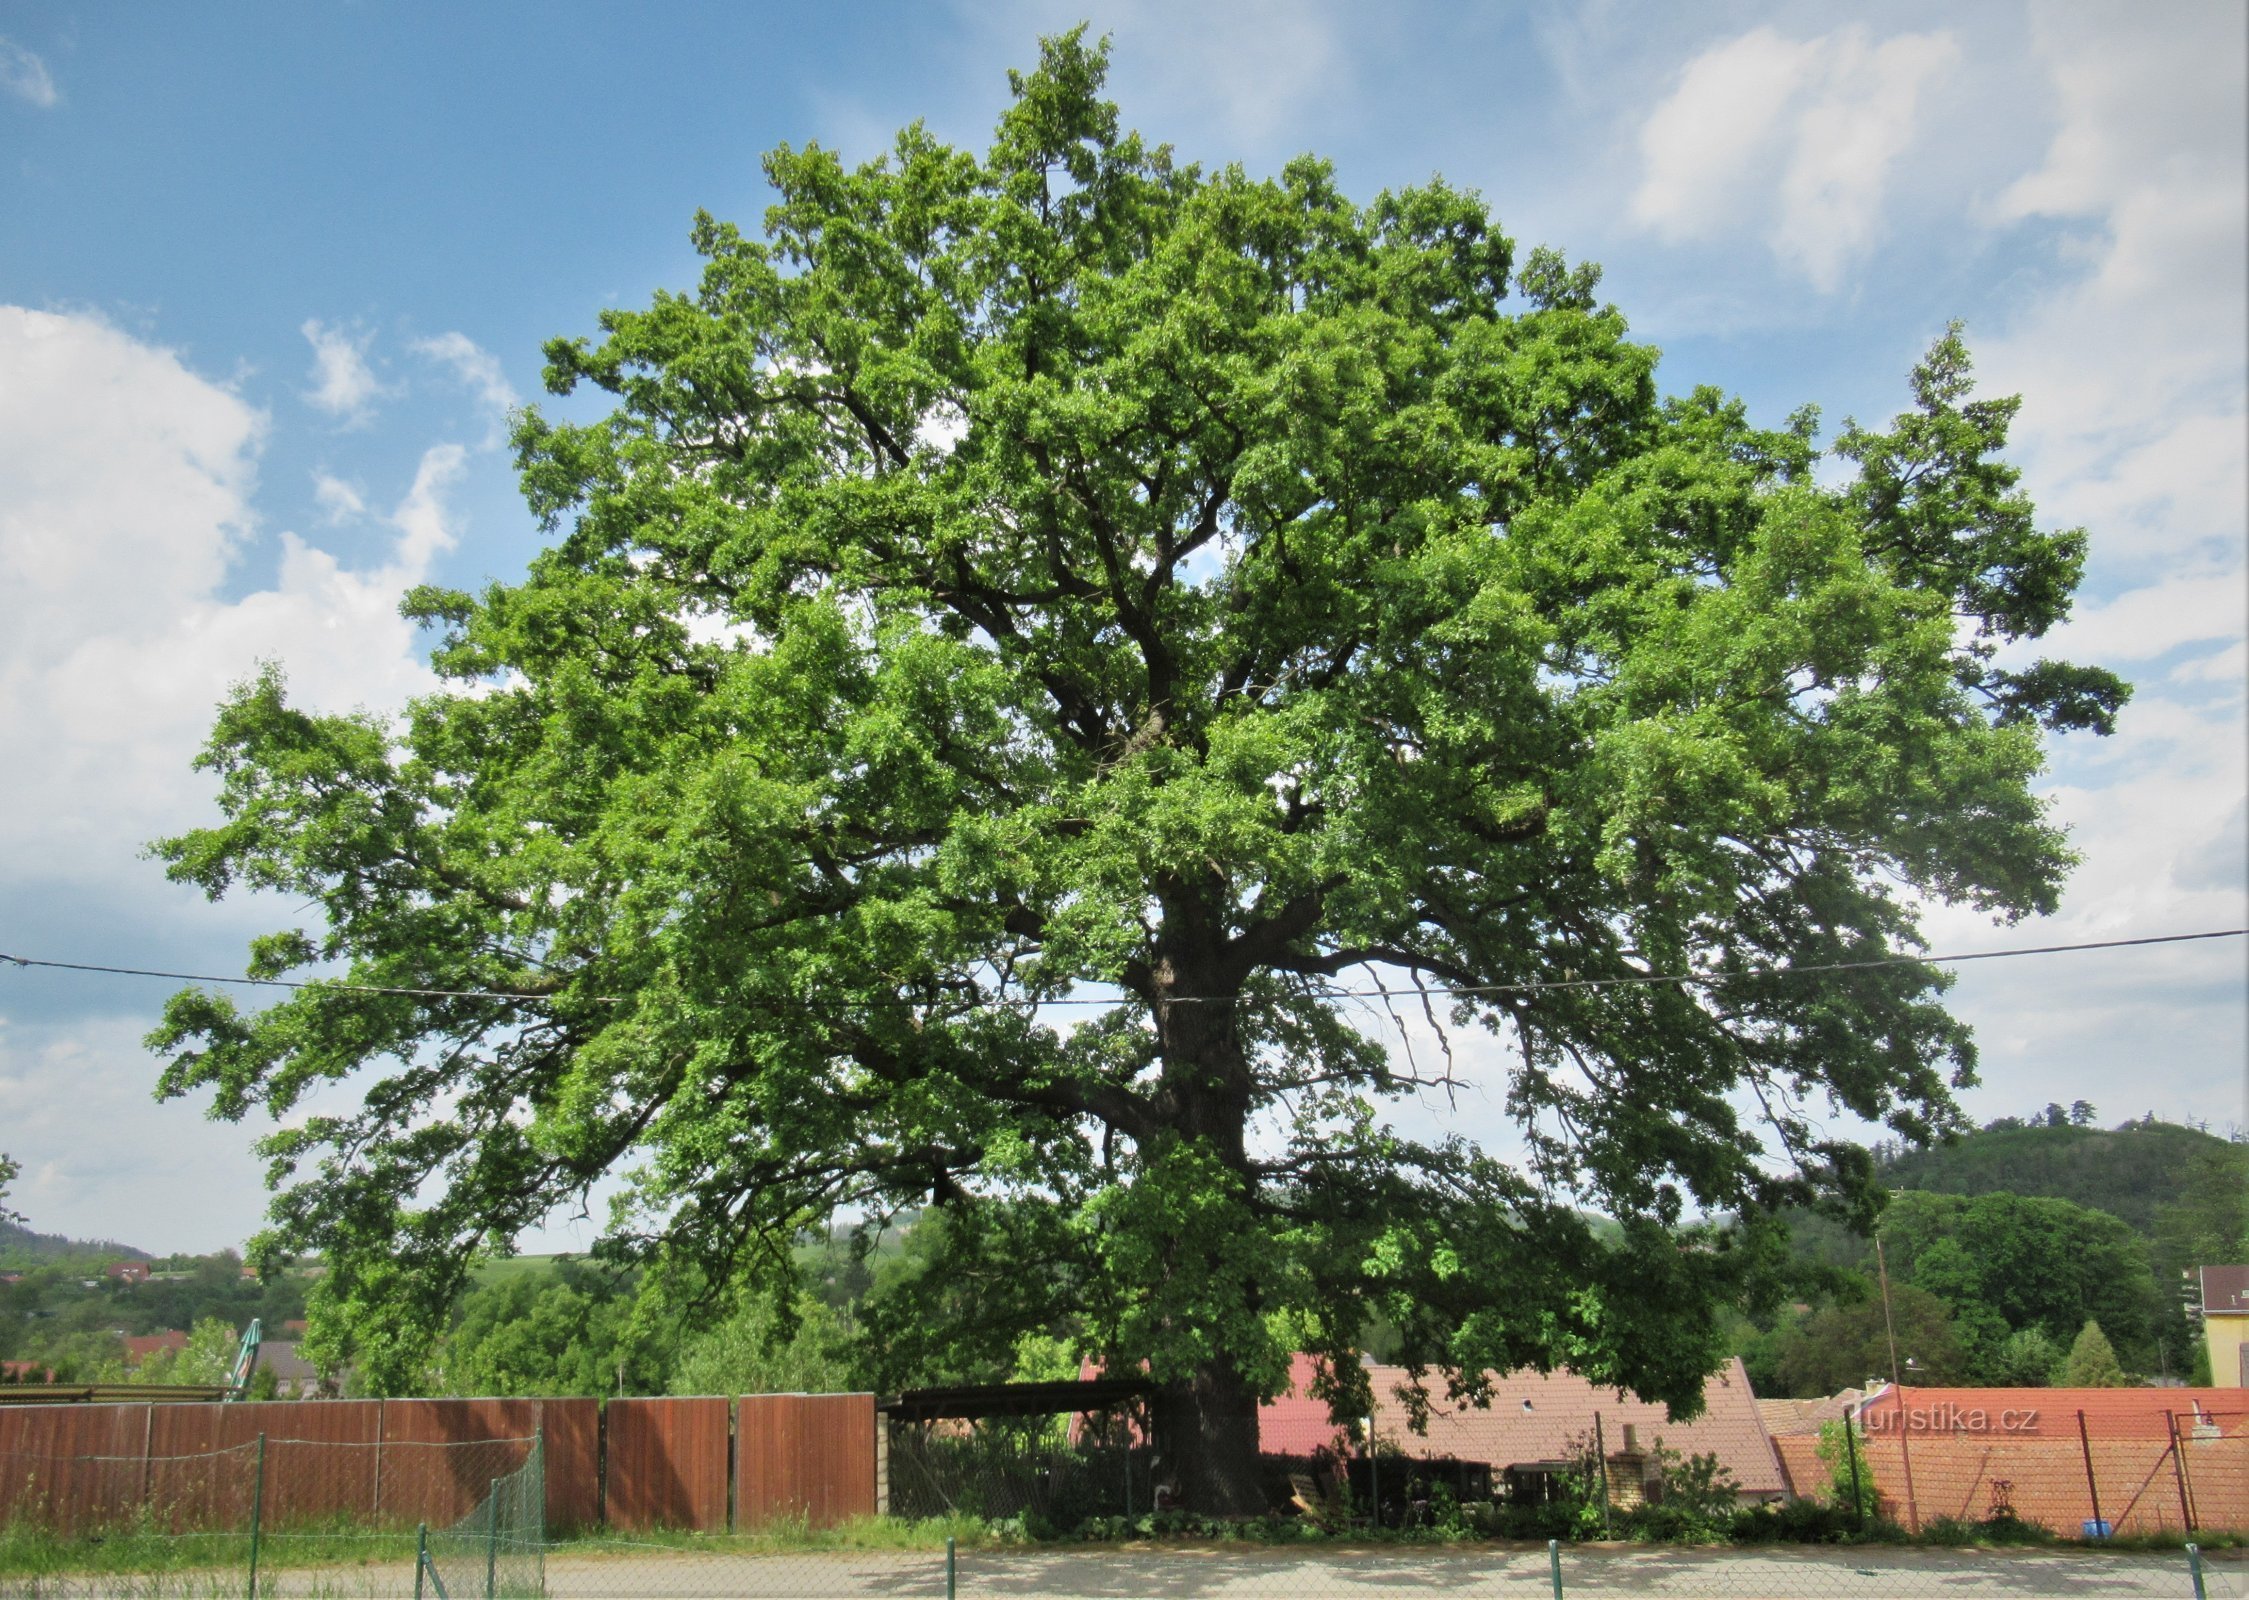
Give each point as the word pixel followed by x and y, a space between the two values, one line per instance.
pixel 1025 635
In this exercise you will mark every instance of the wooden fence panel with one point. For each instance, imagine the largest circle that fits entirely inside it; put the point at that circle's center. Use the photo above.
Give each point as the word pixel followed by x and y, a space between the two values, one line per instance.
pixel 322 1460
pixel 573 1433
pixel 808 1457
pixel 439 1457
pixel 73 1468
pixel 667 1464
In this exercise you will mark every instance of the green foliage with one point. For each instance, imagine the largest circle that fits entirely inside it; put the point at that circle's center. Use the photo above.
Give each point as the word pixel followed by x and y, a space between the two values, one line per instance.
pixel 1844 1346
pixel 565 1328
pixel 2028 1359
pixel 764 1348
pixel 2006 1261
pixel 1850 1478
pixel 9 1170
pixel 2092 1363
pixel 207 1359
pixel 1695 1502
pixel 1065 572
pixel 2132 1172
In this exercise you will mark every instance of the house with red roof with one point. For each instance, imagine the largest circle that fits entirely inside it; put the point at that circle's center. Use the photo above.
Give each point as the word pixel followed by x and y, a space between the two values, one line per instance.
pixel 1537 1424
pixel 2224 1311
pixel 140 1346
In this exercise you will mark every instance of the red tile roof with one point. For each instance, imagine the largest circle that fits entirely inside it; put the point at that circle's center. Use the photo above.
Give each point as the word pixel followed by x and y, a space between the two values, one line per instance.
pixel 1295 1424
pixel 1537 1416
pixel 2051 1413
pixel 140 1346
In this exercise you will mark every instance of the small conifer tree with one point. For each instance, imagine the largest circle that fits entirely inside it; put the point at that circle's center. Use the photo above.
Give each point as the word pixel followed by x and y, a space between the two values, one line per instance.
pixel 2092 1362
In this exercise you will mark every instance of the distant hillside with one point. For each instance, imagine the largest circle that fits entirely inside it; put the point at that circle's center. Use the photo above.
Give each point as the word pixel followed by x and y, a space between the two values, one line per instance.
pixel 2129 1172
pixel 21 1249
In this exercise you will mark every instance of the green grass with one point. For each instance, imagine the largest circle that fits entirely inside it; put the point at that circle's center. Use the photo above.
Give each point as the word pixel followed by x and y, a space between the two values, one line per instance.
pixel 29 1552
pixel 860 1533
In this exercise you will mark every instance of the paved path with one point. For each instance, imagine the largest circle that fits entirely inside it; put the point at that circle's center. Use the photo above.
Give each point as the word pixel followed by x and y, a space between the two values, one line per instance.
pixel 1233 1572
pixel 1237 1573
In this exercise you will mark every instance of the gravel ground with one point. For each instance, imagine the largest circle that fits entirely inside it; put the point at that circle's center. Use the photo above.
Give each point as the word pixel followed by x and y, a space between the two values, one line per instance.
pixel 1227 1572
pixel 656 1572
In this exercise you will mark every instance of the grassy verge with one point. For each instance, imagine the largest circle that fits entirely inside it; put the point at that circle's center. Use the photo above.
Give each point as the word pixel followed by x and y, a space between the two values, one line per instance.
pixel 32 1553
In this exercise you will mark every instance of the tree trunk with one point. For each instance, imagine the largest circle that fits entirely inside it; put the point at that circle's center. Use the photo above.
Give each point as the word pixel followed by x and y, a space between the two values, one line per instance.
pixel 1206 1442
pixel 1206 1426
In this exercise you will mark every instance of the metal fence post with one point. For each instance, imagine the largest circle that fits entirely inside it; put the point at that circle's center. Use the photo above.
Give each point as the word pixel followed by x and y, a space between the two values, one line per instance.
pixel 492 1540
pixel 2179 1471
pixel 257 1514
pixel 952 1576
pixel 421 1556
pixel 1554 1565
pixel 2092 1484
pixel 2194 1567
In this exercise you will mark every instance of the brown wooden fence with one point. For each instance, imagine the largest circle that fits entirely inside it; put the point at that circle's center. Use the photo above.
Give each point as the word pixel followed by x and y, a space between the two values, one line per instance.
pixel 804 1456
pixel 667 1464
pixel 632 1464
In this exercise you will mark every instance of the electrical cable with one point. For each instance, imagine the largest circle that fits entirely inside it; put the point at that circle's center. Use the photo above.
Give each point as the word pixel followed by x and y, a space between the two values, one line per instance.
pixel 1529 986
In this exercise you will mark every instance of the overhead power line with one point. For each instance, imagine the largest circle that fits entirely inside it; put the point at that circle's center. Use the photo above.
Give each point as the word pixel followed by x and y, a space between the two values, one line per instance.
pixel 1439 991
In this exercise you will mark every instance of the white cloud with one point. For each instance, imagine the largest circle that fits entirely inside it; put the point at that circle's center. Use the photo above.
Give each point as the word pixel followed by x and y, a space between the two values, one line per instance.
pixel 2132 370
pixel 1702 147
pixel 339 501
pixel 1804 134
pixel 479 369
pixel 125 499
pixel 126 505
pixel 2186 607
pixel 25 76
pixel 343 384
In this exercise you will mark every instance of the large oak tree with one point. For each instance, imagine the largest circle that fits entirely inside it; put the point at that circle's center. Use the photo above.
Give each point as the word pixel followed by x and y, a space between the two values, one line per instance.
pixel 1070 575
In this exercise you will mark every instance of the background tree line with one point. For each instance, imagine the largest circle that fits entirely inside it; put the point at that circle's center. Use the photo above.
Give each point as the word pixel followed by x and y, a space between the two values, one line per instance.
pixel 2002 1247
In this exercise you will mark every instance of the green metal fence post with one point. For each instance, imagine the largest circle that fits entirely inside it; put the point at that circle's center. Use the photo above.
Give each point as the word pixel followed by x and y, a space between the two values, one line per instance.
pixel 1851 1454
pixel 1601 1465
pixel 1554 1565
pixel 421 1556
pixel 952 1575
pixel 492 1540
pixel 2194 1566
pixel 257 1514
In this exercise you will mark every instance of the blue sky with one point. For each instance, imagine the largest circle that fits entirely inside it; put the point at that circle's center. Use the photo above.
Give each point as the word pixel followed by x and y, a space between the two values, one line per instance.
pixel 271 276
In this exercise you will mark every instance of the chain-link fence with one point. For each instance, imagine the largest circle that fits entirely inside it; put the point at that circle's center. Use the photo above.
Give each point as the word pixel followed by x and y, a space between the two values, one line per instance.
pixel 976 1512
pixel 1016 1470
pixel 1959 1472
pixel 465 1518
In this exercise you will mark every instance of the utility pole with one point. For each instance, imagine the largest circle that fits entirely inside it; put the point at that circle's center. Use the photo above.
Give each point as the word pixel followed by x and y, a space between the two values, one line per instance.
pixel 1897 1383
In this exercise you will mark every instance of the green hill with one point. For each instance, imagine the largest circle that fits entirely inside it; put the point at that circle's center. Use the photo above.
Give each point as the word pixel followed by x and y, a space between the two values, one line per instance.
pixel 21 1250
pixel 2131 1172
